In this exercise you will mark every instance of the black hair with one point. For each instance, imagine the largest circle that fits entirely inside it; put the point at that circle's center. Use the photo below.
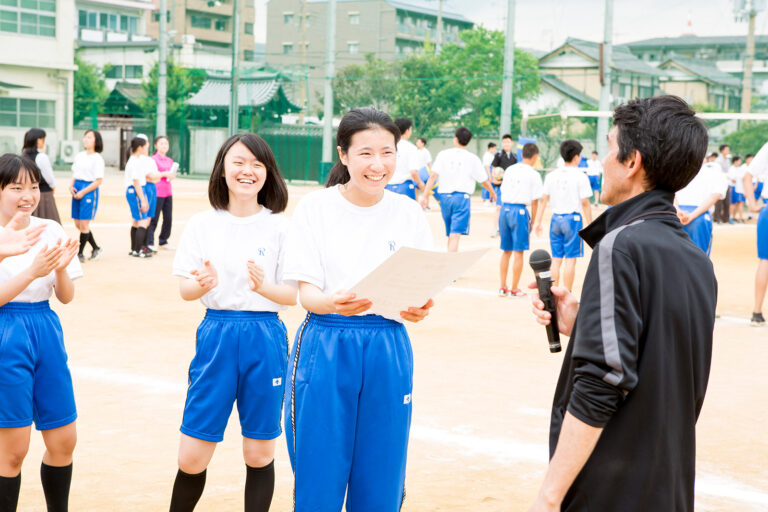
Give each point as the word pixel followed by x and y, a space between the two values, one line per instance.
pixel 595 153
pixel 463 135
pixel 158 138
pixel 722 147
pixel 403 123
pixel 422 139
pixel 98 145
pixel 136 143
pixel 569 149
pixel 750 155
pixel 713 155
pixel 491 145
pixel 30 142
pixel 506 136
pixel 14 168
pixel 733 161
pixel 671 140
pixel 274 193
pixel 354 121
pixel 530 150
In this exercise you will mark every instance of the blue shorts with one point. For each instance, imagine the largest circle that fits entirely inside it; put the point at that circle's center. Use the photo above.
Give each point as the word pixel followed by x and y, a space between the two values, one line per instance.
pixel 514 227
pixel 240 356
pixel 736 197
pixel 758 190
pixel 699 229
pixel 762 234
pixel 406 188
pixel 564 236
pixel 594 182
pixel 485 195
pixel 348 404
pixel 150 190
pixel 35 383
pixel 424 174
pixel 497 191
pixel 455 207
pixel 85 208
pixel 134 204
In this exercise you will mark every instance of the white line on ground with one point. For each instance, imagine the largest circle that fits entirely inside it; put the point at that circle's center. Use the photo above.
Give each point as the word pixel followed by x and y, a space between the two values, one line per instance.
pixel 118 224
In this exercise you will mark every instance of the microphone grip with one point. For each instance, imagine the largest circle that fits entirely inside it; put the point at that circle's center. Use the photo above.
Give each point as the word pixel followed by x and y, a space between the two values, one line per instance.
pixel 544 284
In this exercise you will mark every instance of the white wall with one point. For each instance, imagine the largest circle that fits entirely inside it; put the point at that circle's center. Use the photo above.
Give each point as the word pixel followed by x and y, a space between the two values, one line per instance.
pixel 204 143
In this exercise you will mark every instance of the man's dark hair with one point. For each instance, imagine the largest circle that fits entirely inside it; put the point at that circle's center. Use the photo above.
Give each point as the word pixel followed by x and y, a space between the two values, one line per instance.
pixel 671 140
pixel 569 149
pixel 594 153
pixel 423 140
pixel 722 147
pixel 736 159
pixel 750 155
pixel 463 135
pixel 491 145
pixel 713 155
pixel 506 136
pixel 530 150
pixel 403 123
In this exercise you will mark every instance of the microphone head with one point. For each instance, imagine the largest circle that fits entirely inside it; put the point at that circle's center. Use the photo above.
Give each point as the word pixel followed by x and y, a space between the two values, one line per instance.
pixel 540 260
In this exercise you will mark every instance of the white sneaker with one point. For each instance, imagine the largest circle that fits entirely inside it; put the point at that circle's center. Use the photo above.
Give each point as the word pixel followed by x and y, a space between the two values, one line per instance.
pixel 168 247
pixel 152 248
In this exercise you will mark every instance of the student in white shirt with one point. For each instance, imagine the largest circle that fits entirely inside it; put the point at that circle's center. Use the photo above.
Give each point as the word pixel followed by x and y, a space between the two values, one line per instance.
pixel 520 188
pixel 735 175
pixel 231 259
pixel 139 170
pixel 348 401
pixel 567 190
pixel 406 178
pixel 34 149
pixel 487 160
pixel 595 173
pixel 36 382
pixel 87 175
pixel 759 169
pixel 695 201
pixel 425 166
pixel 458 170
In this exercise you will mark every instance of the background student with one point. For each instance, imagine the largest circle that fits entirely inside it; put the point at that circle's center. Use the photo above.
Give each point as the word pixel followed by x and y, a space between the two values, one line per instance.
pixel 87 175
pixel 695 201
pixel 138 171
pixel 166 167
pixel 34 149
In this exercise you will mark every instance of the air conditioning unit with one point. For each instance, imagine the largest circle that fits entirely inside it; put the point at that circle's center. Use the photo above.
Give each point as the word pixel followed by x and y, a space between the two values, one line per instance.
pixel 69 148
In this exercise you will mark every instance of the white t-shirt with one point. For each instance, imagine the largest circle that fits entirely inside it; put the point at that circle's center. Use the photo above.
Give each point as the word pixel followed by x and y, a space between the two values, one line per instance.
pixel 46 169
pixel 228 242
pixel 333 243
pixel 735 175
pixel 488 160
pixel 758 168
pixel 458 170
pixel 42 288
pixel 709 180
pixel 88 167
pixel 594 167
pixel 137 168
pixel 521 184
pixel 407 161
pixel 566 187
pixel 424 156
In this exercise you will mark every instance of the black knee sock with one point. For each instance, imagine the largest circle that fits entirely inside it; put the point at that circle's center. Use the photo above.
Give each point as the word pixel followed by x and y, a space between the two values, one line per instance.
pixel 83 241
pixel 92 240
pixel 259 487
pixel 140 238
pixel 133 239
pixel 187 490
pixel 9 492
pixel 56 482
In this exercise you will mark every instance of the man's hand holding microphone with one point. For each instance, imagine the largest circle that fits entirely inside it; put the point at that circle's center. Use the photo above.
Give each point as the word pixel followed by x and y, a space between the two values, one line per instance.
pixel 551 301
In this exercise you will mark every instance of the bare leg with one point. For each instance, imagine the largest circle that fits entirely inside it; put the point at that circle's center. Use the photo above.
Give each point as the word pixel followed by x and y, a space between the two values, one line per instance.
pixel 556 262
pixel 59 445
pixel 453 242
pixel 761 283
pixel 517 269
pixel 14 445
pixel 258 453
pixel 504 268
pixel 194 454
pixel 569 273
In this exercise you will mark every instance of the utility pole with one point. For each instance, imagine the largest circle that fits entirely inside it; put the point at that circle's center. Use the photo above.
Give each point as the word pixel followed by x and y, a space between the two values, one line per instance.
pixel 234 103
pixel 509 71
pixel 303 90
pixel 439 28
pixel 746 88
pixel 162 70
pixel 330 62
pixel 606 62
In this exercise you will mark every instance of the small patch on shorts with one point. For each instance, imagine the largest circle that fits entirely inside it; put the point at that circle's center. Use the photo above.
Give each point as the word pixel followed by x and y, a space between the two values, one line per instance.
pixel 277 381
pixel 407 399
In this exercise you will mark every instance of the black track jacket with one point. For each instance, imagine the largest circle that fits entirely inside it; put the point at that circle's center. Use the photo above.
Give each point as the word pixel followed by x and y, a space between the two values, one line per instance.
pixel 638 360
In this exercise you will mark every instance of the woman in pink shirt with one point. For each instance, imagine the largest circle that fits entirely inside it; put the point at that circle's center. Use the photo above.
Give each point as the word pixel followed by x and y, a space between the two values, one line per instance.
pixel 167 168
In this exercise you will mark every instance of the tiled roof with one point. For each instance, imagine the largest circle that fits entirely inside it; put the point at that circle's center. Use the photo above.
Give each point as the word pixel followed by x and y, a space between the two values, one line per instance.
pixel 692 40
pixel 704 69
pixel 566 89
pixel 623 59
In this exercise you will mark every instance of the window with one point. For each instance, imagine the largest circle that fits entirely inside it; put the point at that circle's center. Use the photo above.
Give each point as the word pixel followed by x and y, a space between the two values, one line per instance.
pixel 249 29
pixel 288 18
pixel 353 47
pixel 156 16
pixel 221 25
pixel 248 56
pixel 114 72
pixel 354 18
pixel 24 113
pixel 107 21
pixel 644 91
pixel 32 17
pixel 287 48
pixel 134 72
pixel 625 91
pixel 200 22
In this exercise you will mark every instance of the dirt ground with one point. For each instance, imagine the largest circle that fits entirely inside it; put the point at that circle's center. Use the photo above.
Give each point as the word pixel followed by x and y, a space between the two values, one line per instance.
pixel 484 381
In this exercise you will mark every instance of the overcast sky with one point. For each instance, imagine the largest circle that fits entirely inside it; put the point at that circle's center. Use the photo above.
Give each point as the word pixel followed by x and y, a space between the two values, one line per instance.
pixel 544 24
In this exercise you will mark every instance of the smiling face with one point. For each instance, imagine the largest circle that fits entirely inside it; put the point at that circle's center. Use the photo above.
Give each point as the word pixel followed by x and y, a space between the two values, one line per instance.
pixel 370 160
pixel 22 195
pixel 244 174
pixel 162 146
pixel 506 144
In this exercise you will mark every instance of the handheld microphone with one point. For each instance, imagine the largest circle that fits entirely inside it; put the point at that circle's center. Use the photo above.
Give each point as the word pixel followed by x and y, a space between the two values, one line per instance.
pixel 540 263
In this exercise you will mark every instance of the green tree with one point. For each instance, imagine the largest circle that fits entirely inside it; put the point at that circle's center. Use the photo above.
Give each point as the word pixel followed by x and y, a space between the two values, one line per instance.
pixel 181 84
pixel 749 138
pixel 477 67
pixel 90 89
pixel 364 85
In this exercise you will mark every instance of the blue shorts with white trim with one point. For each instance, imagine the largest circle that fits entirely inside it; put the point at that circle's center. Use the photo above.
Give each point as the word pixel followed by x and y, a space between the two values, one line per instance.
pixel 240 356
pixel 762 234
pixel 406 188
pixel 594 182
pixel 133 204
pixel 86 207
pixel 699 229
pixel 455 207
pixel 564 236
pixel 514 227
pixel 150 190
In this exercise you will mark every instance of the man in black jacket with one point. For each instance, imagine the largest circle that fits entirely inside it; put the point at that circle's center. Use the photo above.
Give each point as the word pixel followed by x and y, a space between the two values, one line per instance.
pixel 622 435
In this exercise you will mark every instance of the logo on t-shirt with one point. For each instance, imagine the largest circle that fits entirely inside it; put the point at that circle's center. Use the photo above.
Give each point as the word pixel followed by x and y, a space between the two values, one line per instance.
pixel 392 246
pixel 262 251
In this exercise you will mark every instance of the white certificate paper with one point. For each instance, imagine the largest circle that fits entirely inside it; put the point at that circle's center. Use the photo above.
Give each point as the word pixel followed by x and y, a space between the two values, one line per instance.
pixel 410 277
